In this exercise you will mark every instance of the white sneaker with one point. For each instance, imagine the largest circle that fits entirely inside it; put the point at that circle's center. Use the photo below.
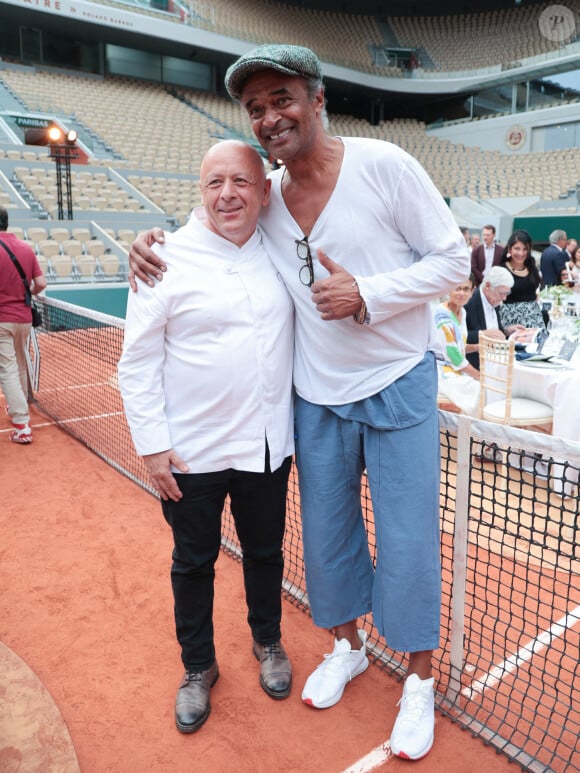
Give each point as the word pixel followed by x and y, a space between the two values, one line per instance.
pixel 324 687
pixel 412 736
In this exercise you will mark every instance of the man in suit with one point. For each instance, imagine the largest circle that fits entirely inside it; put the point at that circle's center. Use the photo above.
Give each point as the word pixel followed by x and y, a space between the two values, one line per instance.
pixel 485 255
pixel 553 259
pixel 481 311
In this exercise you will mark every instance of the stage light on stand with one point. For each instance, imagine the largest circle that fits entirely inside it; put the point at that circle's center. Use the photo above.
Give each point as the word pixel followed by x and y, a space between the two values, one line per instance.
pixel 62 149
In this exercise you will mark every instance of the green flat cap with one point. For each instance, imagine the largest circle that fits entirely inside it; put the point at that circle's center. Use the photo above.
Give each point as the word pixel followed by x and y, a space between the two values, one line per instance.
pixel 291 60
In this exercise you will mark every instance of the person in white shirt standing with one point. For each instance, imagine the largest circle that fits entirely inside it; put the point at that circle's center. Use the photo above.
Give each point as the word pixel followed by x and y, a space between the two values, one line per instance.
pixel 206 379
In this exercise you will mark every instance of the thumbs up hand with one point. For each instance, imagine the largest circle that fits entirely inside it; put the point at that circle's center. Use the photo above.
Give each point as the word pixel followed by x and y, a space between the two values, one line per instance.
pixel 337 296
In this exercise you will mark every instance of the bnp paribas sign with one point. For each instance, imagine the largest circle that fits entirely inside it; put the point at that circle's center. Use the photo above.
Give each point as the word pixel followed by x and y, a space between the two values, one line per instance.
pixel 29 122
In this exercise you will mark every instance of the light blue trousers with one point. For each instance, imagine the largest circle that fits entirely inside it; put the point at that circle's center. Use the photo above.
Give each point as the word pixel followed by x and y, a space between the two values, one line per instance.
pixel 402 459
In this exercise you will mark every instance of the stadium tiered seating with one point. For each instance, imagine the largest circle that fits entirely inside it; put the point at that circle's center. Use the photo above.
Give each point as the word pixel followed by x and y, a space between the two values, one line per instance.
pixel 72 254
pixel 105 106
pixel 343 39
pixel 163 167
pixel 453 42
pixel 176 196
pixel 91 190
pixel 475 40
pixel 458 170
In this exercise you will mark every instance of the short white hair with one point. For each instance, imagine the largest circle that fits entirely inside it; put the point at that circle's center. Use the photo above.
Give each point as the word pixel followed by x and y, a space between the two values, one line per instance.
pixel 498 276
pixel 556 235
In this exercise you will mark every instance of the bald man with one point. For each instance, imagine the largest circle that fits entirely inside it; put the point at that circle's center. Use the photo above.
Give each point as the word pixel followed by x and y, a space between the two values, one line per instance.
pixel 206 375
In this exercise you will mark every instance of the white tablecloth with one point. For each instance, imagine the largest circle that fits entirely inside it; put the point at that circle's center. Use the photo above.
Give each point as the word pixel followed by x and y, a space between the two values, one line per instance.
pixel 558 388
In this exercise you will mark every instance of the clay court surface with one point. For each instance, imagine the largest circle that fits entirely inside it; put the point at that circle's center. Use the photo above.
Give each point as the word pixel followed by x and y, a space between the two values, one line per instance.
pixel 89 664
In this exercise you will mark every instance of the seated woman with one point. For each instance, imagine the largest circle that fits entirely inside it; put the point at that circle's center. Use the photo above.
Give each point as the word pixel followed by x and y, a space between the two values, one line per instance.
pixel 521 307
pixel 458 379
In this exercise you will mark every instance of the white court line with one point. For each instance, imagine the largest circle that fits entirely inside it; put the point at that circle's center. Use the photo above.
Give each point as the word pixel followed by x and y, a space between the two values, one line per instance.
pixel 372 760
pixel 86 418
pixel 68 421
pixel 524 654
pixel 70 387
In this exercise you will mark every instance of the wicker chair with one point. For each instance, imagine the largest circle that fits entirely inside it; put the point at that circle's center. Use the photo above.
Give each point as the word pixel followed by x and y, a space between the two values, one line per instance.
pixel 496 404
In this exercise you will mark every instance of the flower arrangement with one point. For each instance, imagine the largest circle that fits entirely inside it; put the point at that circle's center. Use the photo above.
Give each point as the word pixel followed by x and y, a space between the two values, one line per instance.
pixel 555 293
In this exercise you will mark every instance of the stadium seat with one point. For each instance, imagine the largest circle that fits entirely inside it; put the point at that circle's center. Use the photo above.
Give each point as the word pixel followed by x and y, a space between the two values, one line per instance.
pixel 126 235
pixel 95 247
pixel 59 234
pixel 63 266
pixel 36 233
pixel 49 247
pixel 86 265
pixel 72 247
pixel 82 234
pixel 110 265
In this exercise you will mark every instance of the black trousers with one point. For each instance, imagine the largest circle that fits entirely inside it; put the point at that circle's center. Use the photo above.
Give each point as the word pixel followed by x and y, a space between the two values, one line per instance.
pixel 258 506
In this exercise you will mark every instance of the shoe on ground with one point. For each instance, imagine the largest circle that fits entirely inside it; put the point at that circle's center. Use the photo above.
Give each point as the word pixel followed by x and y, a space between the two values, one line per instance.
pixel 275 669
pixel 192 705
pixel 412 736
pixel 21 434
pixel 325 685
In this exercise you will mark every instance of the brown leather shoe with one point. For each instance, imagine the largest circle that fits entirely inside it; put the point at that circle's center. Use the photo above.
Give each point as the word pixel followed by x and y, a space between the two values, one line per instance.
pixel 192 702
pixel 275 669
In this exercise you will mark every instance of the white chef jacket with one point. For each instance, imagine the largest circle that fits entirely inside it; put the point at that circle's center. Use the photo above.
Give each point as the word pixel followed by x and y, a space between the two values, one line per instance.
pixel 206 367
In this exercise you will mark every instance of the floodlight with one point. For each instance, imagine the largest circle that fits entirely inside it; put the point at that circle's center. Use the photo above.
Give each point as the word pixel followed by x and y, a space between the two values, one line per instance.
pixel 55 134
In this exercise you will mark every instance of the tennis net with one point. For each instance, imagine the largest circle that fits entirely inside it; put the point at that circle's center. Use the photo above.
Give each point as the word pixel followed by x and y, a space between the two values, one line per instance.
pixel 508 666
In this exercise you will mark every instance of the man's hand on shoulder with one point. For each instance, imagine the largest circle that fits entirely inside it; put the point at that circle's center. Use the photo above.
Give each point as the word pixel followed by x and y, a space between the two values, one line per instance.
pixel 144 264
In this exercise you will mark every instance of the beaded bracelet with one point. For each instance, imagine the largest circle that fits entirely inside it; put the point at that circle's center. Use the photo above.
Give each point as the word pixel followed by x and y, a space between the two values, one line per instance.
pixel 360 317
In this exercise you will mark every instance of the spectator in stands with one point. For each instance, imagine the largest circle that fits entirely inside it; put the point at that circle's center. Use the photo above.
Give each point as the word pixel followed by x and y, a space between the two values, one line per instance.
pixel 466 235
pixel 206 378
pixel 15 324
pixel 364 371
pixel 485 255
pixel 458 379
pixel 553 259
pixel 521 307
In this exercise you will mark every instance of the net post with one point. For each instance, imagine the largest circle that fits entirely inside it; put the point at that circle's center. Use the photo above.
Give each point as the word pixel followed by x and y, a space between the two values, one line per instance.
pixel 460 532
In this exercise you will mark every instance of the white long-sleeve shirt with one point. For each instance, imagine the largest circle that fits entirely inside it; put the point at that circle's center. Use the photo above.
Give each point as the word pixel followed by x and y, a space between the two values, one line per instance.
pixel 206 367
pixel 386 224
